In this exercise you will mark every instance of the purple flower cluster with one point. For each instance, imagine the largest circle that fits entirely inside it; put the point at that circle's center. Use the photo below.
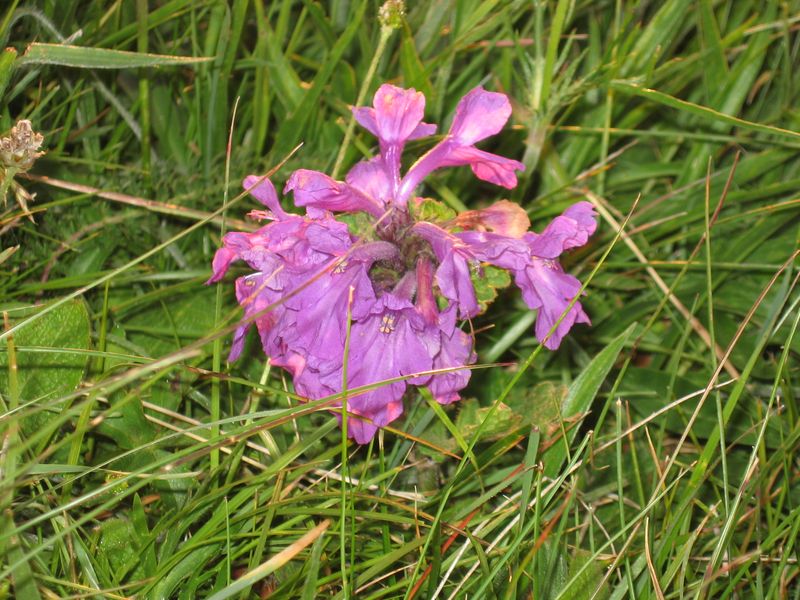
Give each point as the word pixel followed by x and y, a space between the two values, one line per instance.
pixel 400 282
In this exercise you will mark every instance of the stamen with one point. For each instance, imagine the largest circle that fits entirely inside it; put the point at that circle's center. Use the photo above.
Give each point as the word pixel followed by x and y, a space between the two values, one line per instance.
pixel 387 324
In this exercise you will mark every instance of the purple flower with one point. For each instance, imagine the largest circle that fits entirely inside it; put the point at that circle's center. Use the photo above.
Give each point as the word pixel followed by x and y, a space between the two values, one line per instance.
pixel 395 119
pixel 389 343
pixel 534 262
pixel 453 274
pixel 480 114
pixel 399 284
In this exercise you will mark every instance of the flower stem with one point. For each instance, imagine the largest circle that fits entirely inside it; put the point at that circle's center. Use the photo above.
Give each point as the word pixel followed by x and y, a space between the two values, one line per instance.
pixel 386 33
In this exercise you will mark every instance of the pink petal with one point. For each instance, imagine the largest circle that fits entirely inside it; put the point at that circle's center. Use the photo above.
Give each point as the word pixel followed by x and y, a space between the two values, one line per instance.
pixel 317 190
pixel 398 112
pixel 480 114
pixel 371 178
pixel 569 230
pixel 486 166
pixel 265 193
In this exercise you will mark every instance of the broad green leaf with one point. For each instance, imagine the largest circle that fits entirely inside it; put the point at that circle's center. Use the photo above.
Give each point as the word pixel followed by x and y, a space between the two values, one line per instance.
pixel 49 358
pixel 114 543
pixel 99 58
pixel 582 393
pixel 585 586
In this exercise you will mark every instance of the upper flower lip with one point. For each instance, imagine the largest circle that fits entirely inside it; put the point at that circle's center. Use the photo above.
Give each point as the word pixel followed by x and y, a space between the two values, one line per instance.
pixel 396 116
pixel 479 114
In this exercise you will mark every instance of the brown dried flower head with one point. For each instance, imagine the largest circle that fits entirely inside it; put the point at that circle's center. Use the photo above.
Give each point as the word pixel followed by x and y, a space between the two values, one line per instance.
pixel 19 148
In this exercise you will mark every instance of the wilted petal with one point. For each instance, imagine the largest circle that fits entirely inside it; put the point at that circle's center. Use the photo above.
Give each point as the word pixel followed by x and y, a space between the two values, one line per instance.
pixel 504 217
pixel 479 114
pixel 317 190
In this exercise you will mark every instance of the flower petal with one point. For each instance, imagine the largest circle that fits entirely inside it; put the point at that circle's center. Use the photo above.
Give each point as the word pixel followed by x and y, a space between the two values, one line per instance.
pixel 456 350
pixel 569 230
pixel 453 274
pixel 546 287
pixel 370 177
pixel 262 190
pixel 486 166
pixel 398 113
pixel 317 190
pixel 498 250
pixel 479 114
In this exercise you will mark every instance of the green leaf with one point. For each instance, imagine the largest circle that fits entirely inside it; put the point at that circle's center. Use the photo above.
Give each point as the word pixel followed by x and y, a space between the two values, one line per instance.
pixel 413 69
pixel 100 58
pixel 585 586
pixel 582 393
pixel 430 210
pixel 487 281
pixel 7 58
pixel 21 574
pixel 115 545
pixel 49 358
pixel 699 110
pixel 293 128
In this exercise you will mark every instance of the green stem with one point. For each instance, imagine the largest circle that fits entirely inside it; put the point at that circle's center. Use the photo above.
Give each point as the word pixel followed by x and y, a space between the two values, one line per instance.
pixel 142 11
pixel 386 33
pixel 345 469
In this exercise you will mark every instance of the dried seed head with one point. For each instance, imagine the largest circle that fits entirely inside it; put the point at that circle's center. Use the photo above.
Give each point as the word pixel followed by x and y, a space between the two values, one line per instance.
pixel 19 148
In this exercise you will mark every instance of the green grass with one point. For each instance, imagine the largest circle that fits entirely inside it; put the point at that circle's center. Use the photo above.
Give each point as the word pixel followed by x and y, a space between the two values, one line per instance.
pixel 655 455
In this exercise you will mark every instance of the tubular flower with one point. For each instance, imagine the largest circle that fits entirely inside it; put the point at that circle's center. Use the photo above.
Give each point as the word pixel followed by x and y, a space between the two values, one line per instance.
pixel 387 284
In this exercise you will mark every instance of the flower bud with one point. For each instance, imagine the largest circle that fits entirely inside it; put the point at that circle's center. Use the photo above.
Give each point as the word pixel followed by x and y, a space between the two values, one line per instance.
pixel 391 14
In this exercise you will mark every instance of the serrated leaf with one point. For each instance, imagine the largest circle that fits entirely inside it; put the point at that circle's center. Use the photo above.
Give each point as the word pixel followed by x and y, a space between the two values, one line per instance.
pixel 430 210
pixel 487 281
